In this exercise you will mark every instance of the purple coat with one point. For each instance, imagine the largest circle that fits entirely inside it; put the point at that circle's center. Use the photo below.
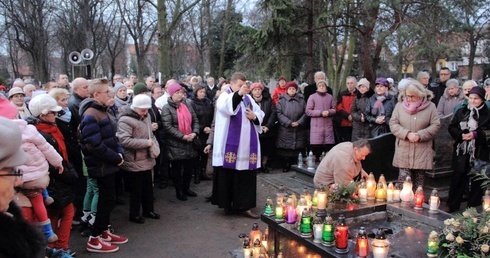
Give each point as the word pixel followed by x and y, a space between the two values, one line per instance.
pixel 321 131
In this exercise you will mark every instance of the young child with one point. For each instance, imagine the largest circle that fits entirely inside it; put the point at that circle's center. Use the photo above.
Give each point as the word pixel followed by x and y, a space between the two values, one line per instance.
pixel 36 174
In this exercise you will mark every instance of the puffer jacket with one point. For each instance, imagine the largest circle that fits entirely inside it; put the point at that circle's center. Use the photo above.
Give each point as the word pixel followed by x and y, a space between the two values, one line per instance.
pixel 100 145
pixel 291 109
pixel 447 103
pixel 414 155
pixel 40 154
pixel 177 148
pixel 132 132
pixel 389 105
pixel 321 128
pixel 360 130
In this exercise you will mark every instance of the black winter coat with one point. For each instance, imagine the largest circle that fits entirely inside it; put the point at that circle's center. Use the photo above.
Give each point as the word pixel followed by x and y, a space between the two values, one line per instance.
pixel 177 148
pixel 389 106
pixel 19 239
pixel 60 185
pixel 270 116
pixel 204 111
pixel 460 162
pixel 360 129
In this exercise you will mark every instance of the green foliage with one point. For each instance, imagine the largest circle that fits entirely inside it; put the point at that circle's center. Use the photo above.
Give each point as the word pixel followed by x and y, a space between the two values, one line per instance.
pixel 344 193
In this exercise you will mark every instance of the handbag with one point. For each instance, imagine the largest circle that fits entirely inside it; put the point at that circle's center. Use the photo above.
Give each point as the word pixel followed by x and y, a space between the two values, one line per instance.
pixel 154 150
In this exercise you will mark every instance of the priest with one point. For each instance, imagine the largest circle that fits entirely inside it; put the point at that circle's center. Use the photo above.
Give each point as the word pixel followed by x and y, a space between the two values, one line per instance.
pixel 236 148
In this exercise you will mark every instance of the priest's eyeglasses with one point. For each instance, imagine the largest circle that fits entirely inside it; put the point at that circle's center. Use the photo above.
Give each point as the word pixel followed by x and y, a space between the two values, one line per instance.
pixel 13 172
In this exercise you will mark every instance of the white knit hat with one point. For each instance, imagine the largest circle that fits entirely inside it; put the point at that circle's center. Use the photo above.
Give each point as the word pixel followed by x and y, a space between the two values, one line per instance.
pixel 141 101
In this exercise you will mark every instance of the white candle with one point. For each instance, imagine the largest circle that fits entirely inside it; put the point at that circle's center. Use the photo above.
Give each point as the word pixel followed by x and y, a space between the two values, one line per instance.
pixel 362 195
pixel 396 195
pixel 380 252
pixel 434 203
pixel 318 230
pixel 389 195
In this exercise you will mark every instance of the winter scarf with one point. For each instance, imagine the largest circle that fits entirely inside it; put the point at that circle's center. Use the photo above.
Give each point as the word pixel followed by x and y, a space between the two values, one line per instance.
pixel 415 107
pixel 378 108
pixel 184 119
pixel 56 133
pixel 469 123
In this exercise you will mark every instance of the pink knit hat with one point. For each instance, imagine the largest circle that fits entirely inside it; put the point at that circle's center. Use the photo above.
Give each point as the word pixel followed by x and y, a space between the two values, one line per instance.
pixel 174 87
pixel 7 109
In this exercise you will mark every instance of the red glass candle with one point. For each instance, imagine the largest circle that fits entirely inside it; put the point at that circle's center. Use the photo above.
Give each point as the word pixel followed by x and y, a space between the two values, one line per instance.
pixel 341 236
pixel 419 198
pixel 362 243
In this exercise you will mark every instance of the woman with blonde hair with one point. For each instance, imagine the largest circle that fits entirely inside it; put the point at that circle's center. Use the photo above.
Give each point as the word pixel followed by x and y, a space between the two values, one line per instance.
pixel 414 122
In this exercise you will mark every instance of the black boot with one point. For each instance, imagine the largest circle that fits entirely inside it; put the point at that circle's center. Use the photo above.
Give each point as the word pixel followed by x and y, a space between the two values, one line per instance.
pixel 180 195
pixel 197 177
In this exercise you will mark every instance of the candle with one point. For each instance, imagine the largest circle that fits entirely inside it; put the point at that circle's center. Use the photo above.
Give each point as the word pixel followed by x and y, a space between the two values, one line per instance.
pixel 341 236
pixel 279 212
pixel 328 235
pixel 380 245
pixel 318 230
pixel 361 249
pixel 396 195
pixel 389 193
pixel 419 198
pixel 379 252
pixel 291 214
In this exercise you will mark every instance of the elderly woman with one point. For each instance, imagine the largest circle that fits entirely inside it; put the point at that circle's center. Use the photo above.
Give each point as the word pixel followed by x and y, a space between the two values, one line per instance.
pixel 414 123
pixel 266 138
pixel 467 128
pixel 379 108
pixel 135 135
pixel 321 108
pixel 453 94
pixel 204 111
pixel 16 97
pixel 181 127
pixel 292 133
pixel 486 86
pixel 121 97
pixel 360 126
pixel 424 78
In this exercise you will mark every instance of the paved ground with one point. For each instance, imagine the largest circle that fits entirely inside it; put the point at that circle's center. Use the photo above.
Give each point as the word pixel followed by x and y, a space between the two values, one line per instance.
pixel 188 229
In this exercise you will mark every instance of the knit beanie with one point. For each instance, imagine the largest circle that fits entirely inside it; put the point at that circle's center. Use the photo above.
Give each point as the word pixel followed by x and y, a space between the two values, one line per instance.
pixel 174 87
pixel 478 91
pixel 139 88
pixel 119 85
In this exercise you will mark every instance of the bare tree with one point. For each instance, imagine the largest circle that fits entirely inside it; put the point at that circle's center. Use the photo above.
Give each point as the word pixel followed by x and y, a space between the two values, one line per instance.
pixel 29 20
pixel 139 19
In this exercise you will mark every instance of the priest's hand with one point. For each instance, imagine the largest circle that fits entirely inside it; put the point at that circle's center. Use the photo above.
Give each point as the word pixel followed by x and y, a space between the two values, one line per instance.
pixel 250 114
pixel 244 89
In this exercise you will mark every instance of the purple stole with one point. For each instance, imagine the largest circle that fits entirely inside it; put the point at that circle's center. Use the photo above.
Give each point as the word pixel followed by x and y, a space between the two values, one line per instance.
pixel 233 139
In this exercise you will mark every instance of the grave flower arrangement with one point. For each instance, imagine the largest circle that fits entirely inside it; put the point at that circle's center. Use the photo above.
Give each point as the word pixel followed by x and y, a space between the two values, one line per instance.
pixel 466 235
pixel 344 193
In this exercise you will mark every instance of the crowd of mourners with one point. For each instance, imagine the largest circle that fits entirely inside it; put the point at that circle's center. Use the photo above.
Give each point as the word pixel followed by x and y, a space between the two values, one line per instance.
pixel 88 141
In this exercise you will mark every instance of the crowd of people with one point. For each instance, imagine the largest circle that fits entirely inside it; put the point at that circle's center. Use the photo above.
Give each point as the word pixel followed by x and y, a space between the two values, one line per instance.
pixel 90 140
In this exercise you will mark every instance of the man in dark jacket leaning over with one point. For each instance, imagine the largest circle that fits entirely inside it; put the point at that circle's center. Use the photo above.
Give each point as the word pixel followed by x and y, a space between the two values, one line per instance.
pixel 103 156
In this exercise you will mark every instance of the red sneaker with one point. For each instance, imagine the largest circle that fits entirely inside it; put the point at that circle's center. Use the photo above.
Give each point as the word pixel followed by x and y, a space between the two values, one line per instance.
pixel 96 245
pixel 109 237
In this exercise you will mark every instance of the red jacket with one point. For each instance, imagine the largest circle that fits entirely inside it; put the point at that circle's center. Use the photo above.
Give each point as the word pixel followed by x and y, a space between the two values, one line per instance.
pixel 344 102
pixel 278 91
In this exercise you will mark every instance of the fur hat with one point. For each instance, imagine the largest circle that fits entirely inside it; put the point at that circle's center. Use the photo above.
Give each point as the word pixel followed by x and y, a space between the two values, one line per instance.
pixel 11 154
pixel 16 90
pixel 141 101
pixel 256 85
pixel 7 109
pixel 364 82
pixel 478 91
pixel 139 88
pixel 42 104
pixel 174 87
pixel 382 81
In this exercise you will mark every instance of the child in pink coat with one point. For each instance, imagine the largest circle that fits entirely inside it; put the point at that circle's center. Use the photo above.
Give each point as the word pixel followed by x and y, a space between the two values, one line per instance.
pixel 36 175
